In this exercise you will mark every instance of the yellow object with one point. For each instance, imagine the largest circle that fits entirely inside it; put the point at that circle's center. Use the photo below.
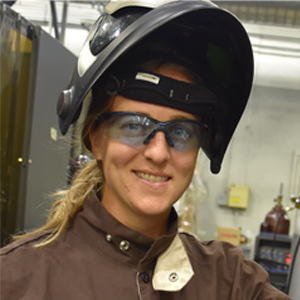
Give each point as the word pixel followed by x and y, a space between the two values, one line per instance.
pixel 238 196
pixel 230 235
pixel 20 42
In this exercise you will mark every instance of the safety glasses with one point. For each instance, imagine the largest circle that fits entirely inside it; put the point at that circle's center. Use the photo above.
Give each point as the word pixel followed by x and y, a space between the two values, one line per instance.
pixel 135 129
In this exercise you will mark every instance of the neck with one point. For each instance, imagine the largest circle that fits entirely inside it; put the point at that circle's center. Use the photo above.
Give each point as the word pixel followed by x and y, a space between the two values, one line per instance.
pixel 153 229
pixel 151 226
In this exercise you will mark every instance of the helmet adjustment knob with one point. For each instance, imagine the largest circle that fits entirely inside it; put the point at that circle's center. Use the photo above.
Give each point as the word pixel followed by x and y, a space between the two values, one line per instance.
pixel 63 103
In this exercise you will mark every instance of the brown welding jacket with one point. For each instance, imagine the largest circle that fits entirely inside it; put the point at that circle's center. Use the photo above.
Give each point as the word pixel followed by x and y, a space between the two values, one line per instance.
pixel 100 258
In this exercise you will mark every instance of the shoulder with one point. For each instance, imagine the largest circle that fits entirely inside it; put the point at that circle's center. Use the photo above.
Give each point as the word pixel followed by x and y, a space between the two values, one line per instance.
pixel 219 255
pixel 227 265
pixel 223 257
pixel 24 267
pixel 21 255
pixel 210 249
pixel 24 243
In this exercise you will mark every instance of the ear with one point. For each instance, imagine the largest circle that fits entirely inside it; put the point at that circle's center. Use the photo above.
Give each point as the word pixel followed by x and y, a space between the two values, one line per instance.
pixel 95 144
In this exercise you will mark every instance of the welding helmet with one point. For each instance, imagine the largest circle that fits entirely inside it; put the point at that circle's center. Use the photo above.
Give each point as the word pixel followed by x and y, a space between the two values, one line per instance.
pixel 209 38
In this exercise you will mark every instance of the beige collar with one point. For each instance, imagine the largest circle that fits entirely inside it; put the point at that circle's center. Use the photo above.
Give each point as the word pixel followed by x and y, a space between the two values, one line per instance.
pixel 173 269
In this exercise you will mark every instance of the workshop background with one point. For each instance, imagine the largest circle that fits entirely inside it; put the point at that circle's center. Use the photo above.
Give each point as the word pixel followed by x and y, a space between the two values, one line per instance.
pixel 262 163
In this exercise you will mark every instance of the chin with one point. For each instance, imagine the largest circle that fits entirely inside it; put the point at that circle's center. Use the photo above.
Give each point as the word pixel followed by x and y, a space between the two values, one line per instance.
pixel 152 210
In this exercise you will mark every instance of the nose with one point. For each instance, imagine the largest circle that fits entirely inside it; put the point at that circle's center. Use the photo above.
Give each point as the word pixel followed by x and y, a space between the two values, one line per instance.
pixel 157 149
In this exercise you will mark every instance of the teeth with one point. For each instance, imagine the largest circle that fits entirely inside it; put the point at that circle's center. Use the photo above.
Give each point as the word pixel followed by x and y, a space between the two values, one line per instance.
pixel 151 177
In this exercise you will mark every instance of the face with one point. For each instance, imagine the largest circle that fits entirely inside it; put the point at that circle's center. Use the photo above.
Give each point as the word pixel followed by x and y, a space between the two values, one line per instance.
pixel 144 181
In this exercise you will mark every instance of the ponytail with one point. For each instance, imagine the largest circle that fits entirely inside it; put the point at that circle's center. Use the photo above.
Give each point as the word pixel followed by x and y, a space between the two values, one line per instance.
pixel 69 202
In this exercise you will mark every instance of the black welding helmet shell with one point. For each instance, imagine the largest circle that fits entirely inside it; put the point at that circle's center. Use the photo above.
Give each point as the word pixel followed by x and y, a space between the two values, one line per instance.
pixel 211 38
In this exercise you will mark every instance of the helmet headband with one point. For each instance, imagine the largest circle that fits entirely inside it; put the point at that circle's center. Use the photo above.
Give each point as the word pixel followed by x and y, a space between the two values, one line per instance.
pixel 157 89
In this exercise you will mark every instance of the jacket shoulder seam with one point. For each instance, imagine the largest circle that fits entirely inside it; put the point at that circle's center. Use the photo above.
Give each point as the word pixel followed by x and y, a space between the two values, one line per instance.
pixel 18 244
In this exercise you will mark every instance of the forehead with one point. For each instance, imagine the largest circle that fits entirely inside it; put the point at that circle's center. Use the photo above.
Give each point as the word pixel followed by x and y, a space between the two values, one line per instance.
pixel 159 112
pixel 175 72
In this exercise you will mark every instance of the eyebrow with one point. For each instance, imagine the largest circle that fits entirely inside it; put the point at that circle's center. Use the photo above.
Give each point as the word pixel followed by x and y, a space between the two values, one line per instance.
pixel 176 117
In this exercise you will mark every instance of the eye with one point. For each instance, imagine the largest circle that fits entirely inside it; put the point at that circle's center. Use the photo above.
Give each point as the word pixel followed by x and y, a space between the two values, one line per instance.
pixel 133 129
pixel 181 133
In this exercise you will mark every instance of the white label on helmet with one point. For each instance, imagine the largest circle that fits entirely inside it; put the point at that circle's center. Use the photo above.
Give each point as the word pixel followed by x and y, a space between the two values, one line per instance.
pixel 147 77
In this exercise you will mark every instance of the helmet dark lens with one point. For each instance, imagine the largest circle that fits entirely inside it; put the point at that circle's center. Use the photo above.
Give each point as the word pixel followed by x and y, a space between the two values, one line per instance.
pixel 221 63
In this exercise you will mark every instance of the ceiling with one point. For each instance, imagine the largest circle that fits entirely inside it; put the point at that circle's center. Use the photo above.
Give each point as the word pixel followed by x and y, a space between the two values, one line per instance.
pixel 273 27
pixel 275 20
pixel 272 13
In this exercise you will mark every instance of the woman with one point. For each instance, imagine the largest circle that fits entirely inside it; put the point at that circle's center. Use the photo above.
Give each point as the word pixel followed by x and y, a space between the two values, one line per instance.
pixel 113 234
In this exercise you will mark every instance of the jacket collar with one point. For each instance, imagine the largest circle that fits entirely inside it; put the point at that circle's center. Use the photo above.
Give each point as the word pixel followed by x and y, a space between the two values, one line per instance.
pixel 133 249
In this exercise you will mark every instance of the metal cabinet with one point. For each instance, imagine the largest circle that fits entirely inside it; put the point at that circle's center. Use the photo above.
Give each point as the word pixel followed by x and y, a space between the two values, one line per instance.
pixel 35 67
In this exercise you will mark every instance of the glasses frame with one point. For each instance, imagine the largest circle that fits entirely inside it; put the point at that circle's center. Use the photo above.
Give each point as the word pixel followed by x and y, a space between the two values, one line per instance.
pixel 161 126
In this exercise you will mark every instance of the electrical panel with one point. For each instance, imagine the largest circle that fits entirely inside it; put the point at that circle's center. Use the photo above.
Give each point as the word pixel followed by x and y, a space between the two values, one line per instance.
pixel 238 196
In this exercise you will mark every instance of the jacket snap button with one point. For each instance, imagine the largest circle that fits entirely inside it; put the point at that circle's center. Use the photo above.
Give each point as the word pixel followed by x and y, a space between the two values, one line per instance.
pixel 173 277
pixel 124 245
pixel 145 277
pixel 108 237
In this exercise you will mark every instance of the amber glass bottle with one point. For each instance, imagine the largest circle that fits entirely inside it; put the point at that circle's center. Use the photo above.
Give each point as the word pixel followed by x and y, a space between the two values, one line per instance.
pixel 277 220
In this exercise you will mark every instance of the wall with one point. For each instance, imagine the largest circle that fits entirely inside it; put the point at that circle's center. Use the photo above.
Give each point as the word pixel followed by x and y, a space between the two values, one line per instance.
pixel 261 153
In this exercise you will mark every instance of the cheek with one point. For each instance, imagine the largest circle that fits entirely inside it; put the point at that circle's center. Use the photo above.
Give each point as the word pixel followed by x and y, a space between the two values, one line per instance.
pixel 185 164
pixel 116 156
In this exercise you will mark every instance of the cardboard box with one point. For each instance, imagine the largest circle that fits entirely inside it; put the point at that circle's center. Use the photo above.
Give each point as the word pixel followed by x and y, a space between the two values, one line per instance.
pixel 230 235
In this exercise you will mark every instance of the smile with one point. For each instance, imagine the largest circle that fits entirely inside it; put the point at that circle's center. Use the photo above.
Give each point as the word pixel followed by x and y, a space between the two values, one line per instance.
pixel 151 177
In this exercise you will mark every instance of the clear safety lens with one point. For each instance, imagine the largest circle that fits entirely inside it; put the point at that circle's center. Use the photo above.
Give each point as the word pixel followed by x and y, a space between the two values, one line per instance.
pixel 109 28
pixel 136 129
